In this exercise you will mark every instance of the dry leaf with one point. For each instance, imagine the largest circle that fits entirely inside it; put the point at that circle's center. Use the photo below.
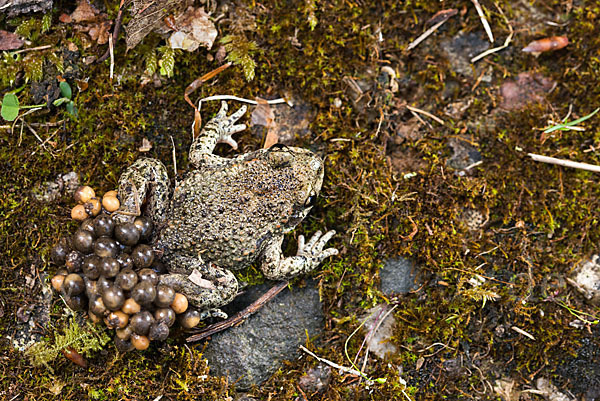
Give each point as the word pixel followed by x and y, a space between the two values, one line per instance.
pixel 100 32
pixel 263 115
pixel 10 41
pixel 146 145
pixel 148 15
pixel 84 12
pixel 194 29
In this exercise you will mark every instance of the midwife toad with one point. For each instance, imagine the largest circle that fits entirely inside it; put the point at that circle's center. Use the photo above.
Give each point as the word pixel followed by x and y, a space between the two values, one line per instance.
pixel 226 214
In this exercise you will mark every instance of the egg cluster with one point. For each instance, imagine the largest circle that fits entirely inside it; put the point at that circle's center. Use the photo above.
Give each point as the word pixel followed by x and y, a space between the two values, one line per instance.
pixel 109 269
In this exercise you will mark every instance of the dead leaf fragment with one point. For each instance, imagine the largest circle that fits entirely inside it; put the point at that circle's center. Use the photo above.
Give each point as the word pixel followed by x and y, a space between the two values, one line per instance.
pixel 10 41
pixel 147 16
pixel 194 29
pixel 84 12
pixel 146 145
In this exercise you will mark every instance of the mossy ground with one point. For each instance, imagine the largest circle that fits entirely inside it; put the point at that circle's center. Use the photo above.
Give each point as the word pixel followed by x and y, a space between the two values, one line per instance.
pixel 542 219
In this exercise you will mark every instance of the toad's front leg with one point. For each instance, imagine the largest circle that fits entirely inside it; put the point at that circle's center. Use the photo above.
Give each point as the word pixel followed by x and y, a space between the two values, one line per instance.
pixel 277 267
pixel 219 129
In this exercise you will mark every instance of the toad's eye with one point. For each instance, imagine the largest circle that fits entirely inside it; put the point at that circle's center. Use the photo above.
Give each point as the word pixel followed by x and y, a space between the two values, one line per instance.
pixel 310 201
pixel 278 146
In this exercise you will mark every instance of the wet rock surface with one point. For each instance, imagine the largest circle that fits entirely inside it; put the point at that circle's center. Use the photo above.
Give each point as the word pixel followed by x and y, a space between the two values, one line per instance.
pixel 461 48
pixel 399 276
pixel 250 353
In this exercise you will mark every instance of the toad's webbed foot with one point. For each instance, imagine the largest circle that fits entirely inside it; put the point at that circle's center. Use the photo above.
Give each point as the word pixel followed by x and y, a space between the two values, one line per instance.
pixel 308 257
pixel 217 130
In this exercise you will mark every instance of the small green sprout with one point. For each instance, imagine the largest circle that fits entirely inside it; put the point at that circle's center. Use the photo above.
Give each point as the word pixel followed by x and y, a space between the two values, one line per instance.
pixel 572 125
pixel 11 107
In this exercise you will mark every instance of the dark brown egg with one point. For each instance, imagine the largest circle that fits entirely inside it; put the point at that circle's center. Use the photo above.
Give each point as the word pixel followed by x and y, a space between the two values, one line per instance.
pixel 125 261
pixel 144 226
pixel 141 322
pixel 158 332
pixel 123 345
pixel 88 225
pixel 76 302
pixel 57 281
pixel 109 267
pixel 164 296
pixel 127 234
pixel 124 333
pixel 148 275
pixel 91 267
pixel 126 279
pixel 131 307
pixel 140 342
pixel 73 261
pixel 143 256
pixel 165 315
pixel 83 241
pixel 180 303
pixel 190 319
pixel 59 252
pixel 91 287
pixel 113 297
pixel 144 292
pixel 103 283
pixel 116 320
pixel 73 285
pixel 97 305
pixel 106 247
pixel 104 225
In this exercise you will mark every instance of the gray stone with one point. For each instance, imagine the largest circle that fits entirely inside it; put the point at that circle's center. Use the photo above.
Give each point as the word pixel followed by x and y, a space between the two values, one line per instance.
pixel 399 276
pixel 461 48
pixel 250 353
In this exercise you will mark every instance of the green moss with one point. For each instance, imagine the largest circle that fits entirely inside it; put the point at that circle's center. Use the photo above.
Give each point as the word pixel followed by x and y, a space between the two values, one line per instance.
pixel 542 219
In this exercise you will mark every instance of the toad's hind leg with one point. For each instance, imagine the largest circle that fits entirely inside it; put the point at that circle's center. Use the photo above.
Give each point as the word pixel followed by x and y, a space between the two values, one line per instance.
pixel 206 286
pixel 144 183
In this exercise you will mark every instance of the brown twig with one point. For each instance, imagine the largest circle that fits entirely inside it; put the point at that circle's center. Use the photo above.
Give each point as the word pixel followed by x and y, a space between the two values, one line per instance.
pixel 240 316
pixel 115 34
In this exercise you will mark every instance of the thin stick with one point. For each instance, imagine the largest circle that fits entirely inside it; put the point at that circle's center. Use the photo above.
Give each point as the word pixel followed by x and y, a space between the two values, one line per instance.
pixel 31 49
pixel 506 42
pixel 416 110
pixel 428 32
pixel 112 57
pixel 484 22
pixel 239 99
pixel 521 331
pixel 174 157
pixel 115 33
pixel 334 365
pixel 238 317
pixel 564 162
